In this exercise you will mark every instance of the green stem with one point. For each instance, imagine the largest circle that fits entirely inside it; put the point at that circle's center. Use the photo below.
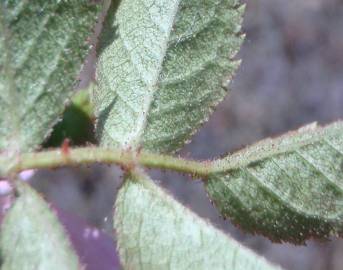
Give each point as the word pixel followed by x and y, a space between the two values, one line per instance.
pixel 89 155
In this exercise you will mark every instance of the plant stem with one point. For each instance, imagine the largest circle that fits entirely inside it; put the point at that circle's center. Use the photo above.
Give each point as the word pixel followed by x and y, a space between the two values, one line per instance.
pixel 89 155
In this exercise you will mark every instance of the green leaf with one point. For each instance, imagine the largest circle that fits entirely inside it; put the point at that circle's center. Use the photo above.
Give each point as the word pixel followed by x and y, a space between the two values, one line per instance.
pixel 161 69
pixel 81 100
pixel 42 44
pixel 77 122
pixel 31 237
pixel 156 232
pixel 288 189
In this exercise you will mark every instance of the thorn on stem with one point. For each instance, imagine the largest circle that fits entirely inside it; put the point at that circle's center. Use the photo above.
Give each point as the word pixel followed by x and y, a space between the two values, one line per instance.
pixel 65 147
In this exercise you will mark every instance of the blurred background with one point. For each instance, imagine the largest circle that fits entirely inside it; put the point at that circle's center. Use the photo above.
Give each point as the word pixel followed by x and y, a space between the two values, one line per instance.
pixel 291 74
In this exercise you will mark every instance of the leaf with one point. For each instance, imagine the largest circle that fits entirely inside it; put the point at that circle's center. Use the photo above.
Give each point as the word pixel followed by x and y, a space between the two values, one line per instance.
pixel 156 232
pixel 77 122
pixel 42 44
pixel 32 238
pixel 161 67
pixel 288 189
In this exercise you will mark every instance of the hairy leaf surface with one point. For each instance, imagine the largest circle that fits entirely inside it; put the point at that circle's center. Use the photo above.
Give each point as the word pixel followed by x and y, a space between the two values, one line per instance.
pixel 32 238
pixel 42 45
pixel 288 189
pixel 156 232
pixel 161 69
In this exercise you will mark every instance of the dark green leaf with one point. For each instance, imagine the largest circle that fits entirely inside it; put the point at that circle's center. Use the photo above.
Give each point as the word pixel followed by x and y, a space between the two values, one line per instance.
pixel 77 122
pixel 288 189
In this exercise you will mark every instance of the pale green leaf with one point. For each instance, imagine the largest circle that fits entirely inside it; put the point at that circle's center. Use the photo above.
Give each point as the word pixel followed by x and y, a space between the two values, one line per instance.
pixel 31 237
pixel 161 69
pixel 42 46
pixel 288 188
pixel 156 232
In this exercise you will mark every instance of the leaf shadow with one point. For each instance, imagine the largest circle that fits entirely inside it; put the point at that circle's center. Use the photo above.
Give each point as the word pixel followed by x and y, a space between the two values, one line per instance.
pixel 103 116
pixel 109 31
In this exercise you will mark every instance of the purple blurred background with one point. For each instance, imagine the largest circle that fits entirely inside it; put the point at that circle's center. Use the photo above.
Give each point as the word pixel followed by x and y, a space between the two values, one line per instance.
pixel 291 74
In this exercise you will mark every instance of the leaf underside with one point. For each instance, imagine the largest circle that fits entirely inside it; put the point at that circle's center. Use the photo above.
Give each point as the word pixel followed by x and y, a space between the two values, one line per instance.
pixel 163 72
pixel 288 189
pixel 42 45
pixel 32 238
pixel 156 232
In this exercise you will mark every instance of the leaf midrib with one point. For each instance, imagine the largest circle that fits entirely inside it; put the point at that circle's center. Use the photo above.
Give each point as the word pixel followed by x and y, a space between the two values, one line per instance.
pixel 136 140
pixel 243 157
